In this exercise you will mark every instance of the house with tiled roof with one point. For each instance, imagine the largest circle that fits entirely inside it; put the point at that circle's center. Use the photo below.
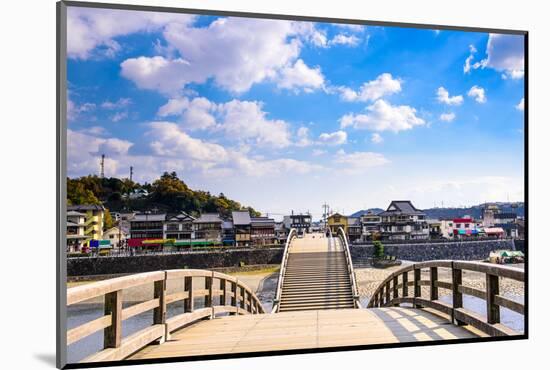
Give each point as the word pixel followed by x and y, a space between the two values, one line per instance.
pixel 403 221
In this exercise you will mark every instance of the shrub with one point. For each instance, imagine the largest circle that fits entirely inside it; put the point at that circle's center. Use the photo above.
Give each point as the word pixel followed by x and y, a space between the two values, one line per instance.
pixel 378 249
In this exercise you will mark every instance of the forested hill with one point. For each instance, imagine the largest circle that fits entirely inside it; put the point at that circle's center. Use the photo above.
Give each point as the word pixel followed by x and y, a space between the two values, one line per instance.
pixel 450 213
pixel 167 194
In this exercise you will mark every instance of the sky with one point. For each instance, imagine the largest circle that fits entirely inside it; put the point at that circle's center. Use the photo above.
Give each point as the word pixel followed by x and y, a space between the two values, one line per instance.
pixel 285 116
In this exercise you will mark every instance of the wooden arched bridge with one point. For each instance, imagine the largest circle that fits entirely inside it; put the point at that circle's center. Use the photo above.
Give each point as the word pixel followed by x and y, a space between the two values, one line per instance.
pixel 316 306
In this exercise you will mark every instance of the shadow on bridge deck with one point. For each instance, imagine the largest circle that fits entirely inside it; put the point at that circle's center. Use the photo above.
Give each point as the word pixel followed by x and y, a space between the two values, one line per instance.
pixel 306 330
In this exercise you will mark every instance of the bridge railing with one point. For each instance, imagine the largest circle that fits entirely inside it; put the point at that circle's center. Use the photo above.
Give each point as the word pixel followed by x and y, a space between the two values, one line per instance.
pixel 291 235
pixel 349 263
pixel 394 291
pixel 221 293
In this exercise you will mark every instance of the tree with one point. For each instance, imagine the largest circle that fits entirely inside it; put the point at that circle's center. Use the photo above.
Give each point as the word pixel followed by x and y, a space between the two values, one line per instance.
pixel 107 220
pixel 378 249
pixel 78 194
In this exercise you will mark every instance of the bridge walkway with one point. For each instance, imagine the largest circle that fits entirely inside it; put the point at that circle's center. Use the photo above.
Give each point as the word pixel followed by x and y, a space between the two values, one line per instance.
pixel 307 329
pixel 316 275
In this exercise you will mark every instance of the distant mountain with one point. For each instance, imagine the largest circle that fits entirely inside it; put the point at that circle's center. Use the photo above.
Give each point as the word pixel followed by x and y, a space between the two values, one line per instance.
pixel 373 210
pixel 449 213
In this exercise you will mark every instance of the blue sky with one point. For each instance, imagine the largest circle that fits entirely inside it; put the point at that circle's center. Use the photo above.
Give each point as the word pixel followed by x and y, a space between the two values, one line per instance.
pixel 286 115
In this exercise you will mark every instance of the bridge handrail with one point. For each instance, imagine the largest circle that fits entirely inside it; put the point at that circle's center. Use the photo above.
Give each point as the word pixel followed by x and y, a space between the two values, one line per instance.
pixel 388 292
pixel 351 271
pixel 115 347
pixel 291 235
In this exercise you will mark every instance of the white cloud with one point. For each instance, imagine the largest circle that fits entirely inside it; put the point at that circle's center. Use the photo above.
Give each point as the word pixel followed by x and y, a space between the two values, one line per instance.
pixel 119 116
pixel 246 120
pixel 351 27
pixel 383 85
pixel 93 31
pixel 224 50
pixel 346 40
pixel 74 110
pixel 318 152
pixel 505 53
pixel 376 138
pixel 333 138
pixel 521 105
pixel 358 161
pixel 120 103
pixel 447 117
pixel 299 76
pixel 444 97
pixel 382 116
pixel 478 93
pixel 303 137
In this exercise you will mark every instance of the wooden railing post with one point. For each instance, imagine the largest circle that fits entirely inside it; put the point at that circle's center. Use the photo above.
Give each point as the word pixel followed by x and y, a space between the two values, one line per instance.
pixel 208 285
pixel 388 291
pixel 234 295
pixel 405 287
pixel 457 295
pixel 159 313
pixel 223 295
pixel 189 303
pixel 243 298
pixel 434 292
pixel 417 287
pixel 492 289
pixel 395 290
pixel 112 335
pixel 375 299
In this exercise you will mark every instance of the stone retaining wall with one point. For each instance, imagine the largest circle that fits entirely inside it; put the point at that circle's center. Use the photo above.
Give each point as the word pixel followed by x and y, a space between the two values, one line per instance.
pixel 471 250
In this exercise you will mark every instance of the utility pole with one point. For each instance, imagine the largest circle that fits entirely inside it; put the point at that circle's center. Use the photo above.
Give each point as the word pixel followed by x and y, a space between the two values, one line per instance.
pixel 131 172
pixel 102 174
pixel 325 213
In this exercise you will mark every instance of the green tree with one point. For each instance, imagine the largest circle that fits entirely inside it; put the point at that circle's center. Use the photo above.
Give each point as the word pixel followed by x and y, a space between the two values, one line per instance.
pixel 378 249
pixel 77 193
pixel 107 220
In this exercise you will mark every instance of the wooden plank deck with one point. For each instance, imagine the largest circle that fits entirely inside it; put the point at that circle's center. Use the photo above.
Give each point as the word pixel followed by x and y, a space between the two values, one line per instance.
pixel 304 330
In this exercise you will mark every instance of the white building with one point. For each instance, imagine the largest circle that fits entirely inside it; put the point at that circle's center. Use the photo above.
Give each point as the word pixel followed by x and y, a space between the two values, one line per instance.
pixel 115 235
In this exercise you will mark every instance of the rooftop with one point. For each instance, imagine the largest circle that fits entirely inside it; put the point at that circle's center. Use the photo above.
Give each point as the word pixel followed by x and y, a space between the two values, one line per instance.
pixel 86 207
pixel 208 218
pixel 404 207
pixel 241 217
pixel 148 217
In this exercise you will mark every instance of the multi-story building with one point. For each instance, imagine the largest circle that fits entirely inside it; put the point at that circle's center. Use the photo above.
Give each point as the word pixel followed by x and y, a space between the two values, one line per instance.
pixel 335 221
pixel 262 230
pixel 466 227
pixel 75 231
pixel 208 227
pixel 435 229
pixel 146 227
pixel 301 222
pixel 370 223
pixel 508 222
pixel 179 227
pixel 446 227
pixel 93 220
pixel 403 221
pixel 354 229
pixel 242 225
pixel 489 212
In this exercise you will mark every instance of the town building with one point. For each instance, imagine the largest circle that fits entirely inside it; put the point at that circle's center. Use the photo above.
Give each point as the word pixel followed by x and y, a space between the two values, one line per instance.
pixel 354 229
pixel 508 222
pixel 94 220
pixel 262 231
pixel 435 229
pixel 208 227
pixel 144 227
pixel 242 225
pixel 301 222
pixel 179 227
pixel 370 223
pixel 403 221
pixel 466 227
pixel 335 221
pixel 228 233
pixel 446 227
pixel 75 231
pixel 116 236
pixel 489 212
pixel 281 232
